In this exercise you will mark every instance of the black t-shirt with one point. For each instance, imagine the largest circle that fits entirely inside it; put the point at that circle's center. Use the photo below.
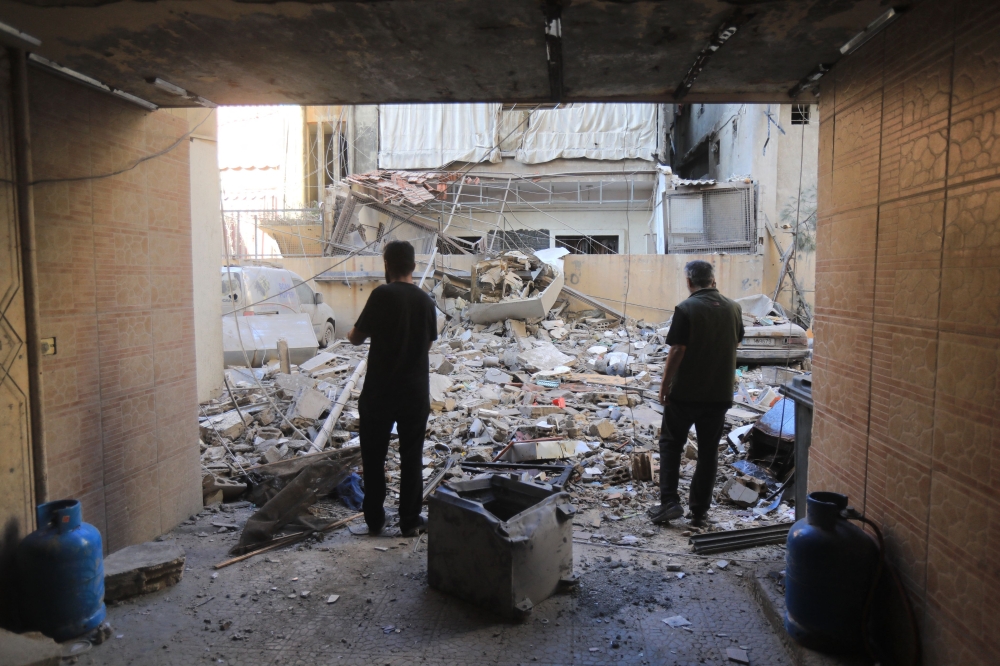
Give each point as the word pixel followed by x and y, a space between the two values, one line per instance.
pixel 402 322
pixel 710 326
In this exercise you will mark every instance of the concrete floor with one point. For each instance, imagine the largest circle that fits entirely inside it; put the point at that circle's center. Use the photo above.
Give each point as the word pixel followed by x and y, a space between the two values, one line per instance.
pixel 253 612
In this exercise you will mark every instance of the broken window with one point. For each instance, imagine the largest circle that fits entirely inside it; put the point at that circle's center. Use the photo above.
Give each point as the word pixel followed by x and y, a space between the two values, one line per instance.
pixel 588 244
pixel 720 219
pixel 800 114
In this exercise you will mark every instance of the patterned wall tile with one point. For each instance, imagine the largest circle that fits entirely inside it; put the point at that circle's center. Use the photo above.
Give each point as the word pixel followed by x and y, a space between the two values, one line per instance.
pixel 955 590
pixel 977 64
pixel 960 518
pixel 933 431
pixel 911 423
pixel 967 447
pixel 914 359
pixel 974 151
pixel 967 371
pixel 111 249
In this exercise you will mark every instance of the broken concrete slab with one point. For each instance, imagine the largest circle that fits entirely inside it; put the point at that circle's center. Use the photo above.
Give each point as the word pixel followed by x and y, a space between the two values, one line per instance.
pixel 30 649
pixel 318 361
pixel 439 385
pixel 141 569
pixel 543 357
pixel 739 494
pixel 293 382
pixel 309 404
pixel 495 376
pixel 228 424
pixel 737 655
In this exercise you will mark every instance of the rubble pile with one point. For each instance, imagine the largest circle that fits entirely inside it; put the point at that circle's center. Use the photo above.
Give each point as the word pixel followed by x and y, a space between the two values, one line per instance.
pixel 574 389
pixel 512 276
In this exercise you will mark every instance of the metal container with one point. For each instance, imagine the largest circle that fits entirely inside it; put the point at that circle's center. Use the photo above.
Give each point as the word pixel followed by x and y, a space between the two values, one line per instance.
pixel 61 567
pixel 499 543
pixel 799 389
pixel 829 567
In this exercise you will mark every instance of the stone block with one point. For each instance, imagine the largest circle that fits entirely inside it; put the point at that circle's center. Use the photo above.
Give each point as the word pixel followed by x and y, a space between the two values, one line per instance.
pixel 141 569
pixel 604 429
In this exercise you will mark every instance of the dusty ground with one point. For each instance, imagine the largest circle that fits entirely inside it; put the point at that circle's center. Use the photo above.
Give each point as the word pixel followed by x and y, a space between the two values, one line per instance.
pixel 254 612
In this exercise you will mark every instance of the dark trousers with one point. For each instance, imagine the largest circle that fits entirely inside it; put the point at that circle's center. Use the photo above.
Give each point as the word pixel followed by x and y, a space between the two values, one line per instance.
pixel 377 416
pixel 708 421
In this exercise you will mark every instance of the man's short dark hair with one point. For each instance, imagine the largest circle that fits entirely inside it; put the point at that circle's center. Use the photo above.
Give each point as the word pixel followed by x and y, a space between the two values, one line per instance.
pixel 700 273
pixel 399 261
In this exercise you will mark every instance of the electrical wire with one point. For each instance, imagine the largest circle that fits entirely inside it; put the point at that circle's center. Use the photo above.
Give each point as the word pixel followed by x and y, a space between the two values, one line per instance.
pixel 118 172
pixel 394 226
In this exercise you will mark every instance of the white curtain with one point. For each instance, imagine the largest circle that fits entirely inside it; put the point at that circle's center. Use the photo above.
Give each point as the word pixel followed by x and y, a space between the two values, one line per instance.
pixel 430 136
pixel 592 131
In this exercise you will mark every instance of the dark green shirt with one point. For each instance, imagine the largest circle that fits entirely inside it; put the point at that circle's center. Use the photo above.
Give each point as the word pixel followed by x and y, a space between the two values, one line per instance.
pixel 710 326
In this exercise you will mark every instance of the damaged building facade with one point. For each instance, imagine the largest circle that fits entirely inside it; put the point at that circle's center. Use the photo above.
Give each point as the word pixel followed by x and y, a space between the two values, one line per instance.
pixel 592 178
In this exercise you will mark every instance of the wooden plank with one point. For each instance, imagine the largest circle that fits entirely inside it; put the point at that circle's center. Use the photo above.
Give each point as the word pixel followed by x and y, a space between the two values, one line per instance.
pixel 603 380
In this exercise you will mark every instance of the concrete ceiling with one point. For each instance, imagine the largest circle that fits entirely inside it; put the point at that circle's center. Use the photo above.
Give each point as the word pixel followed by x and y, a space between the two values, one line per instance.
pixel 368 51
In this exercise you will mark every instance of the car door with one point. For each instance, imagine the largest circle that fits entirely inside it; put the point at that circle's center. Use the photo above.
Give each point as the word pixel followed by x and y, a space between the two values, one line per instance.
pixel 307 304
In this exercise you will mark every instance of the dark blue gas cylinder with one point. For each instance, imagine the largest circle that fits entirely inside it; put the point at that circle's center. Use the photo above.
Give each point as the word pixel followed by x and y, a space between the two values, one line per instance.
pixel 829 567
pixel 61 566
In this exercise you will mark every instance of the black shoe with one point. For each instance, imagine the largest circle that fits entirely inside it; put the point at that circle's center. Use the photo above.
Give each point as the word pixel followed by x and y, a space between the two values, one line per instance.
pixel 664 513
pixel 365 530
pixel 412 530
pixel 702 520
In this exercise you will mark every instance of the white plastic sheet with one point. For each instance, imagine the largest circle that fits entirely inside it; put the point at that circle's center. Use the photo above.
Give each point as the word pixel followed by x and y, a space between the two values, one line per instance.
pixel 429 136
pixel 593 131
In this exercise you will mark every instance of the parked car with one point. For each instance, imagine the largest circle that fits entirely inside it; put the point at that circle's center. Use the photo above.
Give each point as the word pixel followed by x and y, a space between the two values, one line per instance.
pixel 261 305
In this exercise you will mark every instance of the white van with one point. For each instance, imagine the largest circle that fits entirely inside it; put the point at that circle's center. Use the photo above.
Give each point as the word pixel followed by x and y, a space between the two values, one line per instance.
pixel 262 290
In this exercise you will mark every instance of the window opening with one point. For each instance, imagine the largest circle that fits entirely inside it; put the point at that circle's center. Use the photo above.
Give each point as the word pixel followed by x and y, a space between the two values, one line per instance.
pixel 800 114
pixel 589 244
pixel 712 220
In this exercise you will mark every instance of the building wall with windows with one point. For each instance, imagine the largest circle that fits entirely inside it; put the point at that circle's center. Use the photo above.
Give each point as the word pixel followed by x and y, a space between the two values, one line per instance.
pixel 776 146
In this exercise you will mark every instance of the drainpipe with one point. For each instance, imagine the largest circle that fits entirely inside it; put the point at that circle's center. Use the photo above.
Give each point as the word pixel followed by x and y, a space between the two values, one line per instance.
pixel 29 267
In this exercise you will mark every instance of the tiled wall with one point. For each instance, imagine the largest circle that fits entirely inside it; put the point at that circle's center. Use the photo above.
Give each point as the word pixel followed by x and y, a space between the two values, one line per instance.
pixel 908 310
pixel 114 265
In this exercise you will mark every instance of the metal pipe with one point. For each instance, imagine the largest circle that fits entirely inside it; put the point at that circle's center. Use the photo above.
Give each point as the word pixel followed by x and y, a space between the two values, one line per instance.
pixel 323 436
pixel 29 268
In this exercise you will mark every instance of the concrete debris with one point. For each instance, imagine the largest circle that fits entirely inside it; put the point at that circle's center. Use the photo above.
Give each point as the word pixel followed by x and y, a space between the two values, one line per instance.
pixel 737 655
pixel 309 404
pixel 141 569
pixel 29 649
pixel 228 424
pixel 576 388
pixel 739 494
pixel 603 429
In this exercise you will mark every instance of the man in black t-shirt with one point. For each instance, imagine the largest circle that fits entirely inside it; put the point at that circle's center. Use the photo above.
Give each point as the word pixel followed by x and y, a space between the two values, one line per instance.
pixel 697 389
pixel 402 323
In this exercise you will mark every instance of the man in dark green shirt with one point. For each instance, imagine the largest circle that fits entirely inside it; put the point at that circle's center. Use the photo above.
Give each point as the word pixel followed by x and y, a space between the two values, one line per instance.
pixel 697 389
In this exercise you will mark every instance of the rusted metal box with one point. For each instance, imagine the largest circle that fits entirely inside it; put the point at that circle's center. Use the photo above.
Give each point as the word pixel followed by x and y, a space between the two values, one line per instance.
pixel 500 543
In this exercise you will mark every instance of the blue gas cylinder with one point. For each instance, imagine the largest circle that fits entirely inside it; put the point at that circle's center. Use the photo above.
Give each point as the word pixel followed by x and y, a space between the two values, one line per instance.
pixel 61 565
pixel 829 567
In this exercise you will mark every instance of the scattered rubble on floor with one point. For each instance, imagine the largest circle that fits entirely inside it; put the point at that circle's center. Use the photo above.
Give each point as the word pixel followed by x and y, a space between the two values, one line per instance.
pixel 141 569
pixel 574 388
